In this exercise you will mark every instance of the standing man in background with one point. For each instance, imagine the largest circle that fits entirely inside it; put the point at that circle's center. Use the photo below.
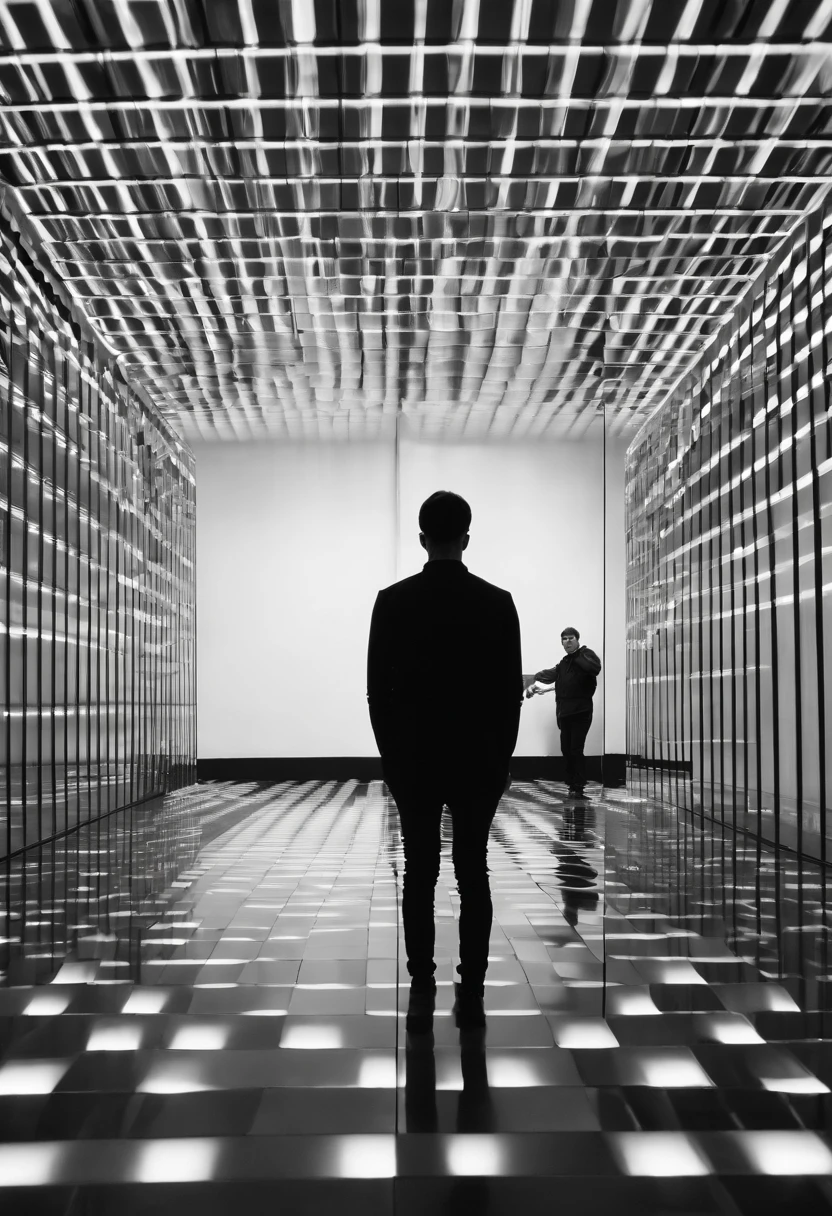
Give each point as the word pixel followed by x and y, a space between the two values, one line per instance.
pixel 441 746
pixel 573 680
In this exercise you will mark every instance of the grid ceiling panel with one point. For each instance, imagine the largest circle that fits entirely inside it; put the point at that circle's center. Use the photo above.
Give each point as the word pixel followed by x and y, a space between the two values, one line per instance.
pixel 500 216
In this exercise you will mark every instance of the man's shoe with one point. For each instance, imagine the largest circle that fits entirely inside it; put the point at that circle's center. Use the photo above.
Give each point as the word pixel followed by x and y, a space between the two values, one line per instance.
pixel 420 1008
pixel 469 1010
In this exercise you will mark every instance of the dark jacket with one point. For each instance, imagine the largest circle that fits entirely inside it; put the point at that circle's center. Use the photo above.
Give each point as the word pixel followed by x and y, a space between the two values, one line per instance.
pixel 444 673
pixel 574 678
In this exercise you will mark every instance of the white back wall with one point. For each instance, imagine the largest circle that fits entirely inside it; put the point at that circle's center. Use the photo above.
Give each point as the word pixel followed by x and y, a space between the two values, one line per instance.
pixel 538 531
pixel 294 540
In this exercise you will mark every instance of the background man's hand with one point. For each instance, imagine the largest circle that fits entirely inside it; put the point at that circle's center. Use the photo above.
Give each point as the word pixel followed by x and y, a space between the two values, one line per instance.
pixel 539 689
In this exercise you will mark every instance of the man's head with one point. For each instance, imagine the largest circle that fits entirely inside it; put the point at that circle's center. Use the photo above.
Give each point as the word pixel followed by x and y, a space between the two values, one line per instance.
pixel 444 520
pixel 570 639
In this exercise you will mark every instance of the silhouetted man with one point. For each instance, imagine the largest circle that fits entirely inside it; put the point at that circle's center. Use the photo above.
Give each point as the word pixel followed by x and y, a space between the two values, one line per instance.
pixel 439 747
pixel 574 680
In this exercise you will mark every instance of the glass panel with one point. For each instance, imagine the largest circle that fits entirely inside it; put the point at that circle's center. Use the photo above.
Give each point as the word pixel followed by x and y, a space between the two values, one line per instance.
pixel 96 538
pixel 728 513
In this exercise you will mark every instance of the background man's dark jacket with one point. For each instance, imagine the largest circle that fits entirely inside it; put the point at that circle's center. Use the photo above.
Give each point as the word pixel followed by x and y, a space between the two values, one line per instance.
pixel 444 672
pixel 574 678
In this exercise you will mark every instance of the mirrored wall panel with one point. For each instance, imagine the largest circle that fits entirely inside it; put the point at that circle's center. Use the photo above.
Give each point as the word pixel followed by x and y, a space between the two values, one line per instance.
pixel 729 536
pixel 97 578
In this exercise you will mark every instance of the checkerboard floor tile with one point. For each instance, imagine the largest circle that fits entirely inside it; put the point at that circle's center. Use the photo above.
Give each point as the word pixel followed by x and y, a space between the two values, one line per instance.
pixel 658 1035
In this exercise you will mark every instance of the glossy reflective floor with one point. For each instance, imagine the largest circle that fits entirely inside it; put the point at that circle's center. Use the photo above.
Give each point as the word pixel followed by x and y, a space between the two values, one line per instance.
pixel 658 1035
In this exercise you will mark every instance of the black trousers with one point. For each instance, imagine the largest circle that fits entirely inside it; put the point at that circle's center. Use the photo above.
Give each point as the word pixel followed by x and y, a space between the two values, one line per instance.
pixel 419 798
pixel 574 729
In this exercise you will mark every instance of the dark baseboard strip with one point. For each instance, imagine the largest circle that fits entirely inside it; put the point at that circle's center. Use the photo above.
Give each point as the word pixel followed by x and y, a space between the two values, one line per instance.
pixel 291 768
pixel 662 766
pixel 611 769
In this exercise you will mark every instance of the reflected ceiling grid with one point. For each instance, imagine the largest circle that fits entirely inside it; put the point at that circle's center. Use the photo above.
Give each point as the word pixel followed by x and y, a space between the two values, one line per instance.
pixel 497 216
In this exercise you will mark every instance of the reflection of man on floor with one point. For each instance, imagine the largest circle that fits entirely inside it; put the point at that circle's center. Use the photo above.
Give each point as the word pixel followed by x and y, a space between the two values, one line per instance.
pixel 573 681
pixel 440 747
pixel 577 878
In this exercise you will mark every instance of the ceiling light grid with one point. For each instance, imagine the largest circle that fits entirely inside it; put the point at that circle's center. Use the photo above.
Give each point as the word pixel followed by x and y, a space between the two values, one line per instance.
pixel 502 216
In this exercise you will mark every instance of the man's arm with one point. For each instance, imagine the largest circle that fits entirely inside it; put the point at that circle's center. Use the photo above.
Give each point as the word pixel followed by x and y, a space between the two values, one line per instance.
pixel 547 675
pixel 378 672
pixel 588 660
pixel 512 679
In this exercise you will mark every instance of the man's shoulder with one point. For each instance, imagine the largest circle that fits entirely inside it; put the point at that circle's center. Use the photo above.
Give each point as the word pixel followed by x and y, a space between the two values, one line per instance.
pixel 419 582
pixel 487 590
pixel 403 586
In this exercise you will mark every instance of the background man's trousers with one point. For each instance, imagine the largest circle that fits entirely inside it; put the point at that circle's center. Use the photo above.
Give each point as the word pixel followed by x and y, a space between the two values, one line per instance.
pixel 472 806
pixel 574 729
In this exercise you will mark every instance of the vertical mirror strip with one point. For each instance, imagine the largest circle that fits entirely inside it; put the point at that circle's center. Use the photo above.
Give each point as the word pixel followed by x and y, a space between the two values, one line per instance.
pixel 97 522
pixel 729 554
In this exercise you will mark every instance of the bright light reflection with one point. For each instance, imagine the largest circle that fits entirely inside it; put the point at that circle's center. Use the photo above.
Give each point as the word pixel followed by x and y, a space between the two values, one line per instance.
pixel 145 1000
pixel 45 1004
pixel 806 1084
pixel 325 987
pixel 264 1013
pixel 379 1073
pixel 786 1152
pixel 507 1073
pixel 313 1037
pixel 676 1073
pixel 779 1001
pixel 115 1038
pixel 475 1155
pixel 190 1160
pixel 366 1157
pixel 199 1038
pixel 588 1032
pixel 171 1078
pixel 681 973
pixel 29 1164
pixel 635 1004
pixel 727 1028
pixel 31 1076
pixel 75 973
pixel 659 1154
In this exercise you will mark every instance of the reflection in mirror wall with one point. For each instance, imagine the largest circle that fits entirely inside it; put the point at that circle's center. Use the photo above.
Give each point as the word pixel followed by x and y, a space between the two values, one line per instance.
pixel 729 535
pixel 97 586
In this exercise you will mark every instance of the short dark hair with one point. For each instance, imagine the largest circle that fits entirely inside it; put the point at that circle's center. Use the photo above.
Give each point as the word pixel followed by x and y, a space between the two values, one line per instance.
pixel 444 517
pixel 570 629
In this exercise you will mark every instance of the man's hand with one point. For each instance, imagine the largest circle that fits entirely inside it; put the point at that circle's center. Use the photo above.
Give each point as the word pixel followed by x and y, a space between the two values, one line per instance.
pixel 539 688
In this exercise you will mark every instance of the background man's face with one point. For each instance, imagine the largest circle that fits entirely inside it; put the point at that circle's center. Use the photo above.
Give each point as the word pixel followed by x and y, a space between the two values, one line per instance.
pixel 570 643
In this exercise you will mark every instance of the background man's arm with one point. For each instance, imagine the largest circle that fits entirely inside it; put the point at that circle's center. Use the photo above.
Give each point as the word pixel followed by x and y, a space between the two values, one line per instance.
pixel 547 675
pixel 588 660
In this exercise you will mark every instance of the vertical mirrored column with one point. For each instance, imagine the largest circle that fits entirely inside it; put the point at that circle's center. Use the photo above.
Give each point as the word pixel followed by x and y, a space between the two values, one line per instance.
pixel 729 558
pixel 97 585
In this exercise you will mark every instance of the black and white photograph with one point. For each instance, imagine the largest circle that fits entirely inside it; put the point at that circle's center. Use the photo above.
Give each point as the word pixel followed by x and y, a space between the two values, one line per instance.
pixel 415 607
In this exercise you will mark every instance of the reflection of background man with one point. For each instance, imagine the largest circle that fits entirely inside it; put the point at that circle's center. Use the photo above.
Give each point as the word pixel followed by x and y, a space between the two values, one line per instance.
pixel 577 877
pixel 440 748
pixel 573 680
